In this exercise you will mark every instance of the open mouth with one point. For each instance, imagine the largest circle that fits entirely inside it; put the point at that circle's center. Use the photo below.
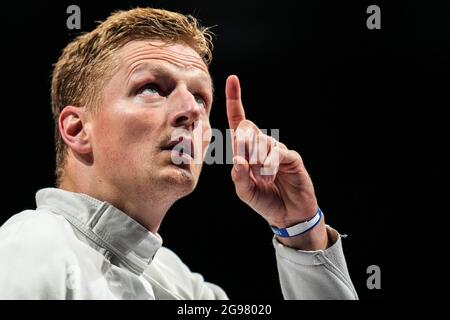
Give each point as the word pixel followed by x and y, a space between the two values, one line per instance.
pixel 181 147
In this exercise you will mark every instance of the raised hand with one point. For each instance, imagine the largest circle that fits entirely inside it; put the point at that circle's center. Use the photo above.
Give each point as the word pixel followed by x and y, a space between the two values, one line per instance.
pixel 269 177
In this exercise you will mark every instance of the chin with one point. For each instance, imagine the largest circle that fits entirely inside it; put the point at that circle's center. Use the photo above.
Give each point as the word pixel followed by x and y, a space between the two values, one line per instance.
pixel 181 180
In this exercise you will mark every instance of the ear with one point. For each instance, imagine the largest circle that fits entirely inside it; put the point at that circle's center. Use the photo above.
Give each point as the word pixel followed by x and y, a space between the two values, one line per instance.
pixel 72 127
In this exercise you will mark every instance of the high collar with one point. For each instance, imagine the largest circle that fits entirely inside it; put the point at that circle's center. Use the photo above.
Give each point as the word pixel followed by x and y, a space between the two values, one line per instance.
pixel 104 224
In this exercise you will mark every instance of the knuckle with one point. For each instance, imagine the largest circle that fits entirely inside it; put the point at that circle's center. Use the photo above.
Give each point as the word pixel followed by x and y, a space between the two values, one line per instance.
pixel 234 175
pixel 295 154
pixel 246 125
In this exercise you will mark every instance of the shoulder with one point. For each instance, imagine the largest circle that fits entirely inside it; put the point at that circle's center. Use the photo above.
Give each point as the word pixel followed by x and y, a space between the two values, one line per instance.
pixel 36 229
pixel 34 256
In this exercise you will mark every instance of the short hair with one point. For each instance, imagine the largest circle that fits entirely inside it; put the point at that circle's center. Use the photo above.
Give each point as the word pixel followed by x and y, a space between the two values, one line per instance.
pixel 89 60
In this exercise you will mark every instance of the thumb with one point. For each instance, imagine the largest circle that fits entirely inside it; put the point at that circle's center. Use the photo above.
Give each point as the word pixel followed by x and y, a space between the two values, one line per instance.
pixel 241 177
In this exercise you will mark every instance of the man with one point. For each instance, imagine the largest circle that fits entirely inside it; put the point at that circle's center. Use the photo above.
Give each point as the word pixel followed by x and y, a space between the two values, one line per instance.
pixel 123 97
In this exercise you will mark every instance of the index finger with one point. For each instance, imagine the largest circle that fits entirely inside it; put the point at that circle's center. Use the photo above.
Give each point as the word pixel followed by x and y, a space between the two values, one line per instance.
pixel 235 109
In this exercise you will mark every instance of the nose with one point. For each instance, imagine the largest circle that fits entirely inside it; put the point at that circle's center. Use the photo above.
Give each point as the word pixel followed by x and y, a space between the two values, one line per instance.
pixel 185 109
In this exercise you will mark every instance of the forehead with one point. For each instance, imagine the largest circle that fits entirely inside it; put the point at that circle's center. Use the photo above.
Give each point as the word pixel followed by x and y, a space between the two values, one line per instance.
pixel 183 57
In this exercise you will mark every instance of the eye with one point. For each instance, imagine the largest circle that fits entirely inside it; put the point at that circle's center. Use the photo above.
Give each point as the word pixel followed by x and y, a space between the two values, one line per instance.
pixel 200 100
pixel 150 90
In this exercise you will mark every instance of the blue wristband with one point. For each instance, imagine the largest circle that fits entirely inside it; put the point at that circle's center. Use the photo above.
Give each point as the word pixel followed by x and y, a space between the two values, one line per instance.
pixel 300 228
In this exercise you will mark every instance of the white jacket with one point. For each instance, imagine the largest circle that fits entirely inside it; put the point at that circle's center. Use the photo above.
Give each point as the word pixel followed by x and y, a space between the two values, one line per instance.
pixel 76 247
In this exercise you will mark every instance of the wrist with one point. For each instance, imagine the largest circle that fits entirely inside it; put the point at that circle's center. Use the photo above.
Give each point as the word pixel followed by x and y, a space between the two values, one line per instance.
pixel 298 228
pixel 315 239
pixel 291 218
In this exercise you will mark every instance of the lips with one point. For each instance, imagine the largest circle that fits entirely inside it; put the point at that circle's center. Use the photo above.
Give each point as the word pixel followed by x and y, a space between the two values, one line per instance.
pixel 181 144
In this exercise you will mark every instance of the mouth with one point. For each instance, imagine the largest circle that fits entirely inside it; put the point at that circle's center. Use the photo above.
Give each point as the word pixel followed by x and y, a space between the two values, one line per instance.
pixel 180 147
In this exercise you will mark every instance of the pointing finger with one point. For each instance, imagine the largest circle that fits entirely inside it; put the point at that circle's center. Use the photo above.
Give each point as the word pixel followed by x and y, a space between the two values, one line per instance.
pixel 235 109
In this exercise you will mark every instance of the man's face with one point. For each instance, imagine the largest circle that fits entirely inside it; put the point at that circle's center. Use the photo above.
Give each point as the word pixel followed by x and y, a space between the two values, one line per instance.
pixel 155 92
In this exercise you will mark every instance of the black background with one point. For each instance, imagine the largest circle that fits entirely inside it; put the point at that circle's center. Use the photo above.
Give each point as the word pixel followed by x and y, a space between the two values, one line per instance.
pixel 365 109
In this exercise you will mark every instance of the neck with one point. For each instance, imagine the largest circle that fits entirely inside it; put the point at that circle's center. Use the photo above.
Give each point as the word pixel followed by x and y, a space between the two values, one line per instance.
pixel 148 210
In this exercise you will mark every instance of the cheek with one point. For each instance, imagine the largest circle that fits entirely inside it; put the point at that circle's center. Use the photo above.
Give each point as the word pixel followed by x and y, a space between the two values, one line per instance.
pixel 123 133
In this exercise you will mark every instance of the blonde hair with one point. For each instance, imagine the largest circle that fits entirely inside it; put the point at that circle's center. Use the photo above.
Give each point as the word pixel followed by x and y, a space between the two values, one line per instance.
pixel 88 61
